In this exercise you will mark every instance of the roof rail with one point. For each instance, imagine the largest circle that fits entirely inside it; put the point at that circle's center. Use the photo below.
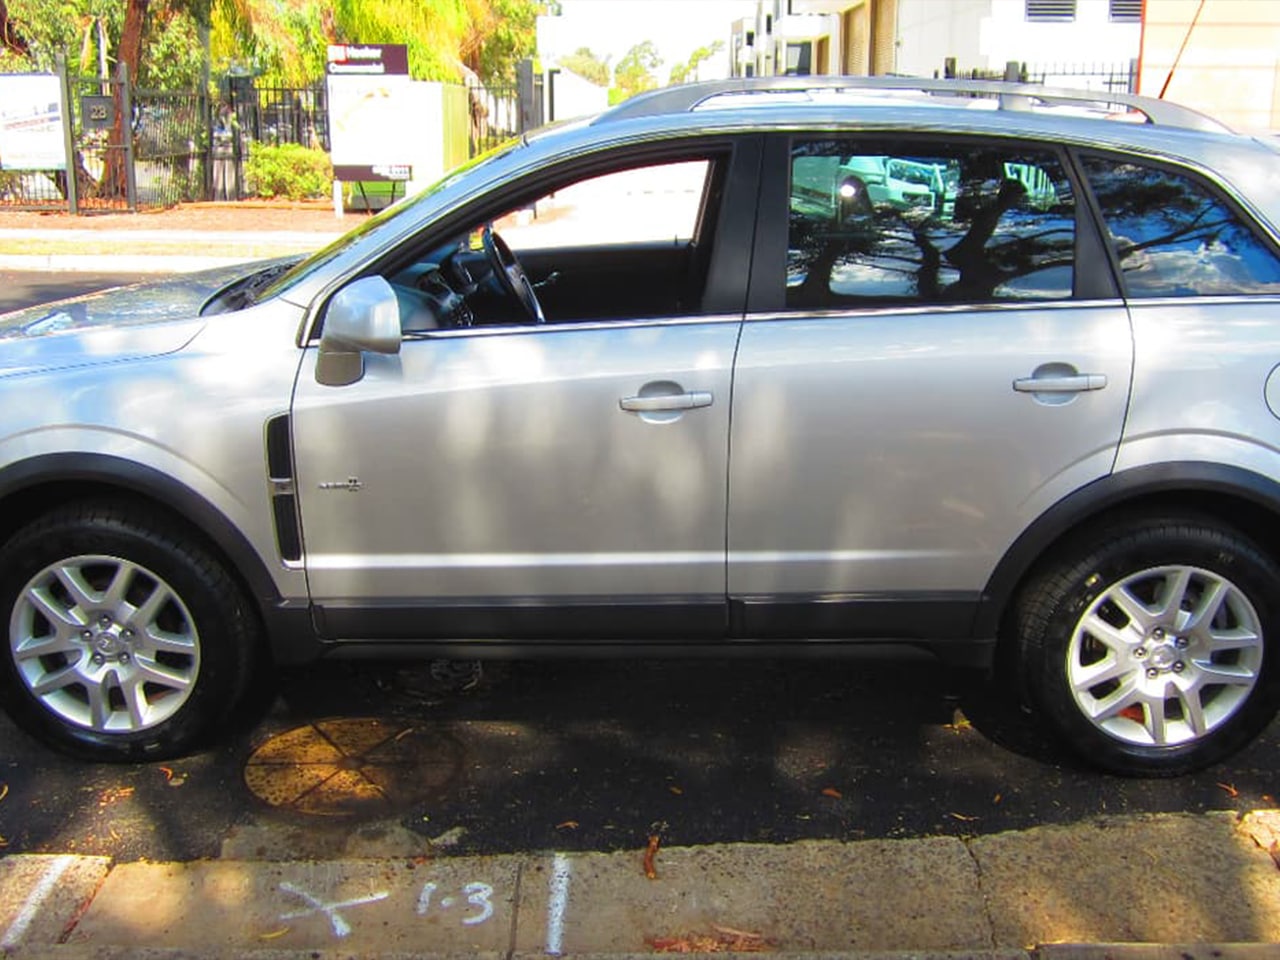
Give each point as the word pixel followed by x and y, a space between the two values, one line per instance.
pixel 1012 96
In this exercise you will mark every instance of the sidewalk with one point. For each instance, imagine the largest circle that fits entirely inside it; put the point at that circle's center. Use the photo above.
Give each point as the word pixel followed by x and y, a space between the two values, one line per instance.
pixel 1123 887
pixel 185 238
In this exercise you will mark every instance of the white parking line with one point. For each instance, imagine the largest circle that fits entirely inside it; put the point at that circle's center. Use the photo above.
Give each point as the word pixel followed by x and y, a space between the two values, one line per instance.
pixel 35 899
pixel 560 875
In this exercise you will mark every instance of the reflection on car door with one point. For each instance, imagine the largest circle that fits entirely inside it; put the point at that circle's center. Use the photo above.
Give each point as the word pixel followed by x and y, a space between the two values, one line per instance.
pixel 490 484
pixel 927 387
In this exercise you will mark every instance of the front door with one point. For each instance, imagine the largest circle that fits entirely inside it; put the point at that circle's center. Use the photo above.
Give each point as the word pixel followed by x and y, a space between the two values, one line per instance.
pixel 491 484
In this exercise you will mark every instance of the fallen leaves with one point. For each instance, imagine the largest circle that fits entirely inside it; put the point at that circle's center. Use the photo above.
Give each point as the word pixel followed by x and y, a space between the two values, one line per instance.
pixel 650 852
pixel 961 817
pixel 568 825
pixel 1229 789
pixel 173 779
pixel 274 934
pixel 4 790
pixel 1263 828
pixel 833 793
pixel 113 795
pixel 722 940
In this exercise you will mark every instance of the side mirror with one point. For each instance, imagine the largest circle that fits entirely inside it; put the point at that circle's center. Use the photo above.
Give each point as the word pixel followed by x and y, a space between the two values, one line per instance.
pixel 362 317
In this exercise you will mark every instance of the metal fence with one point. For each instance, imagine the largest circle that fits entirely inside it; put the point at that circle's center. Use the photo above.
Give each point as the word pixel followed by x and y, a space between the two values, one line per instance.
pixel 1111 77
pixel 130 149
pixel 494 114
pixel 275 115
pixel 135 149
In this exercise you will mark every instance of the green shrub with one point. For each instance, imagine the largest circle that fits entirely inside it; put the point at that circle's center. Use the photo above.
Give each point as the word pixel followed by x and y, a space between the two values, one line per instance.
pixel 288 170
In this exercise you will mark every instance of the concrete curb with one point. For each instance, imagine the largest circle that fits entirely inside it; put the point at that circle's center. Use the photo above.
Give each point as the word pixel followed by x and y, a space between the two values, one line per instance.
pixel 1058 951
pixel 1118 887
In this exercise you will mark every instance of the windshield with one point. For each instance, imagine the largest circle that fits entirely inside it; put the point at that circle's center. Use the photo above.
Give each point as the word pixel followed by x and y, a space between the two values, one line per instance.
pixel 392 213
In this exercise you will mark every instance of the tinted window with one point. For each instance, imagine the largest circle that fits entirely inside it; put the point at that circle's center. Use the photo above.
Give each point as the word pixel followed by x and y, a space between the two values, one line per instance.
pixel 1174 238
pixel 943 224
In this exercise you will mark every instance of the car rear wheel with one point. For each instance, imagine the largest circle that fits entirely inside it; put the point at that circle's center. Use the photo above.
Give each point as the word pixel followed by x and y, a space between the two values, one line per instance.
pixel 127 639
pixel 1151 647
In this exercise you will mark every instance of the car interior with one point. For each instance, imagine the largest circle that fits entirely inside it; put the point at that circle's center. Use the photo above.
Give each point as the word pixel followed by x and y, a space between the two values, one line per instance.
pixel 582 251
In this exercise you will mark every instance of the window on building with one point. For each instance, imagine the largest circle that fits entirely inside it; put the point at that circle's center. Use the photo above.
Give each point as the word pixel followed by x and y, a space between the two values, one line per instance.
pixel 910 221
pixel 1175 238
pixel 1051 11
pixel 1126 11
pixel 799 59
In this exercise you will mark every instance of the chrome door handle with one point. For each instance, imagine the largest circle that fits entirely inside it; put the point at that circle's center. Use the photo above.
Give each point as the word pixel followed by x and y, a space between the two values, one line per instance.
pixel 1079 383
pixel 676 401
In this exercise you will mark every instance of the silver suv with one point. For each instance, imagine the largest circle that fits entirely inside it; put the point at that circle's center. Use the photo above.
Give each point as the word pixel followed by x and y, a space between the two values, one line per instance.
pixel 624 386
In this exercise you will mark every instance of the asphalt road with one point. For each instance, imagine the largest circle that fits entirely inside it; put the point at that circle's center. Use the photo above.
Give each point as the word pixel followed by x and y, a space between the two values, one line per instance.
pixel 588 755
pixel 25 289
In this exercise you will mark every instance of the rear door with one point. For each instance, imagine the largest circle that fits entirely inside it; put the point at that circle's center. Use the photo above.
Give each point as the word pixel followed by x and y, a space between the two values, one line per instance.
pixel 934 354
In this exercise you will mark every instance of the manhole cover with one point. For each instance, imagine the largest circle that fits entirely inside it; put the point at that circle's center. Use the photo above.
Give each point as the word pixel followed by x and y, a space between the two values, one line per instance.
pixel 351 767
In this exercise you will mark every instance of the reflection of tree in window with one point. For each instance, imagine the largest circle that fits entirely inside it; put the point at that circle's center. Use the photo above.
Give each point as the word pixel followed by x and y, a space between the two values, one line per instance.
pixel 975 226
pixel 1174 238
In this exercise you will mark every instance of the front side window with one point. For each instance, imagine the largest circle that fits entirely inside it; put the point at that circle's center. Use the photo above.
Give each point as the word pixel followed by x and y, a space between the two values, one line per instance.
pixel 630 243
pixel 939 223
pixel 1173 237
pixel 650 204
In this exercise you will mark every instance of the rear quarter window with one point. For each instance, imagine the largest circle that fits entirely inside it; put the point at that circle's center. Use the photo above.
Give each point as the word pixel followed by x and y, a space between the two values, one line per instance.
pixel 1173 236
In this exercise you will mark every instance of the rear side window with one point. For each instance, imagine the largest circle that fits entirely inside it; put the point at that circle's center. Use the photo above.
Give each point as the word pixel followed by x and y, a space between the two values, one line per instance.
pixel 1173 237
pixel 926 223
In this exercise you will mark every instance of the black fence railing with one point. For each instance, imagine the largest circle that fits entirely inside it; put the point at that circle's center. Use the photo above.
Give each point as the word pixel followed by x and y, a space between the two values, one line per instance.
pixel 494 116
pixel 1111 77
pixel 170 147
pixel 135 149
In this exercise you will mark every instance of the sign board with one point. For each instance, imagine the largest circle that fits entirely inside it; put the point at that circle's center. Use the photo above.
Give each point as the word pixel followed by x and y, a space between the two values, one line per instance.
pixel 370 100
pixel 31 122
pixel 97 112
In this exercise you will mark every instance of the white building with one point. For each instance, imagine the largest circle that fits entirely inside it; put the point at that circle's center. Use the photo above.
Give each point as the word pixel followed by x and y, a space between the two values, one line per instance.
pixel 919 37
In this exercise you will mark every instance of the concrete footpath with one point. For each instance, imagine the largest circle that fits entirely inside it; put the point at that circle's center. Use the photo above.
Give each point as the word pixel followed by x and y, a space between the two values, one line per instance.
pixel 1175 886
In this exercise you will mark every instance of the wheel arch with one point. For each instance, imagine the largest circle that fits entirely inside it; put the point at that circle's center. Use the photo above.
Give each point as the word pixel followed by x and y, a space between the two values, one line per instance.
pixel 1246 500
pixel 36 485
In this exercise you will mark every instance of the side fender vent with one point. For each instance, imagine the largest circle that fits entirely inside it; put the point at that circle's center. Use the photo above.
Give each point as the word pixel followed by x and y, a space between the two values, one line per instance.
pixel 284 506
pixel 288 536
pixel 279 452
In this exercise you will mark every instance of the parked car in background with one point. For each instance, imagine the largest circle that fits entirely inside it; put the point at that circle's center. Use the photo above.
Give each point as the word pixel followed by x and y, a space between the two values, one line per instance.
pixel 740 368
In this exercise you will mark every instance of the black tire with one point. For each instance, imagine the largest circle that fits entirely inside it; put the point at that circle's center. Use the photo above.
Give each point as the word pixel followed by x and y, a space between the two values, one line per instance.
pixel 168 657
pixel 1174 703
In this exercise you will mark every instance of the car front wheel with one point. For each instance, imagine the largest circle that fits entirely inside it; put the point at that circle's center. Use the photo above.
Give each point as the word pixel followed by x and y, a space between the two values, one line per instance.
pixel 1151 647
pixel 127 639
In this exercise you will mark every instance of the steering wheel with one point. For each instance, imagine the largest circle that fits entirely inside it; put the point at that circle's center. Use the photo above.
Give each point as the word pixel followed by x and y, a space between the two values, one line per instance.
pixel 511 276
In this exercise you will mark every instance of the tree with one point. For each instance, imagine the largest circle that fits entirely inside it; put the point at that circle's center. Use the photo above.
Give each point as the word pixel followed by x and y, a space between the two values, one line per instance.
pixel 634 72
pixel 688 71
pixel 509 37
pixel 587 65
pixel 11 39
pixel 34 32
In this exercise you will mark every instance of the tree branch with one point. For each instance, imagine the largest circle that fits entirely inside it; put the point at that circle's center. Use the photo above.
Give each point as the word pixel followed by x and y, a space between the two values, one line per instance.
pixel 10 38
